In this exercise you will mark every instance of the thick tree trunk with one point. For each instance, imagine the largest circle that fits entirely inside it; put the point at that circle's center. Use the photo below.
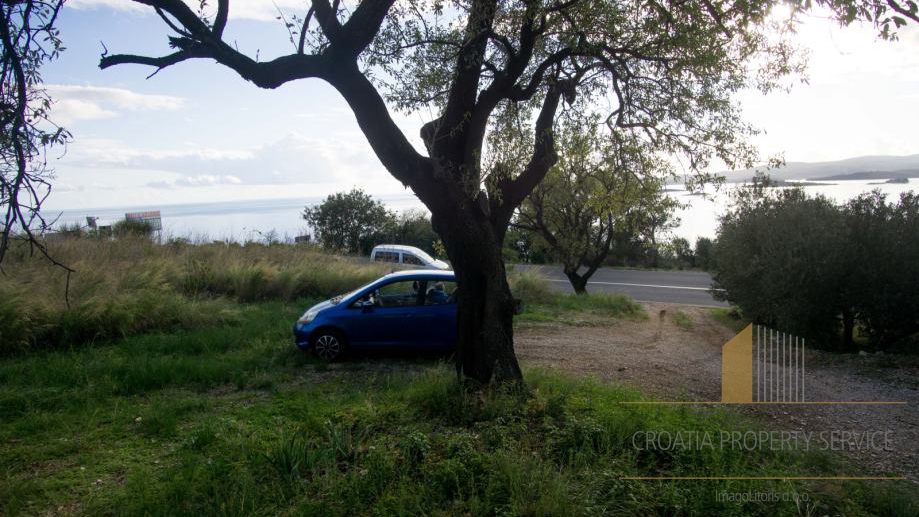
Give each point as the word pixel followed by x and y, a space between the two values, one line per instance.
pixel 485 315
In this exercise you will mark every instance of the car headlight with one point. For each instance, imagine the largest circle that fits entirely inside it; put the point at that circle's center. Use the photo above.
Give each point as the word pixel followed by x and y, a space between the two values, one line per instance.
pixel 307 317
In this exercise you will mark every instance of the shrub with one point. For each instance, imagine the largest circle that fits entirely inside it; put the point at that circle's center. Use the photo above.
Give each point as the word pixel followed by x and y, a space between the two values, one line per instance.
pixel 530 286
pixel 781 258
pixel 810 267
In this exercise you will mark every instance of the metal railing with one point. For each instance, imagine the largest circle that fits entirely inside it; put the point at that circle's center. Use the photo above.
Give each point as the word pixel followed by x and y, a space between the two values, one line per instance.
pixel 778 366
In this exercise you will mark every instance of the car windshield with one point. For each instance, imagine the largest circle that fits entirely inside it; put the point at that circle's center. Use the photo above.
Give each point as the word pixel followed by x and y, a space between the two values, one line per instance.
pixel 337 299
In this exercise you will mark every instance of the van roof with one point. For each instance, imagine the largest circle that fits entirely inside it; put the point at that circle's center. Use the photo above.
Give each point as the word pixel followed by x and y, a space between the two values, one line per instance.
pixel 396 247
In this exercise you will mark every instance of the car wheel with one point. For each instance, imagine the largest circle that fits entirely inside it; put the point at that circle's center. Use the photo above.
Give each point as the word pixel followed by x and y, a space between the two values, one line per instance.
pixel 328 345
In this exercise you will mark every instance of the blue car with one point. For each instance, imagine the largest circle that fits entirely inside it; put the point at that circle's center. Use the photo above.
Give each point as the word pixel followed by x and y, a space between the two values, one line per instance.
pixel 414 309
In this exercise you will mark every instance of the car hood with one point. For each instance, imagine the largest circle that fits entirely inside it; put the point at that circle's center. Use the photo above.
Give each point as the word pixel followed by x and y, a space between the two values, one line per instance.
pixel 321 306
pixel 440 264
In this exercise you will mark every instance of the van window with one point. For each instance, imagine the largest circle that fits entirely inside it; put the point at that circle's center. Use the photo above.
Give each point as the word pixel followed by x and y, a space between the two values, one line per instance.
pixel 386 256
pixel 411 259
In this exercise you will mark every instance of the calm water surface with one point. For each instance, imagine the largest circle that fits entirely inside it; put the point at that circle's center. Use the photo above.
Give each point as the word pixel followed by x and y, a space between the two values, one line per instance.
pixel 242 220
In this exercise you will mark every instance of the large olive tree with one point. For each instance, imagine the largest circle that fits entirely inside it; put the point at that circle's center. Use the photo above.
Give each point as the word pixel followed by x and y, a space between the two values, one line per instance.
pixel 666 69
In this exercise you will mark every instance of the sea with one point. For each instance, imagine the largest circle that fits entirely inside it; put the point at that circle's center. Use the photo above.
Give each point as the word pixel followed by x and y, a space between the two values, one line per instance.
pixel 282 219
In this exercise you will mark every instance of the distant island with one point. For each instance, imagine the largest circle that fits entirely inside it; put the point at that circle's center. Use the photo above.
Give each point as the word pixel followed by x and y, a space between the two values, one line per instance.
pixel 901 181
pixel 798 183
pixel 877 168
pixel 899 176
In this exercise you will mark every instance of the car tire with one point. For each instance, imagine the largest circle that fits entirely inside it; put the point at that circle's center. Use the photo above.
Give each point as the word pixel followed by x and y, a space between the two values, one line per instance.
pixel 328 345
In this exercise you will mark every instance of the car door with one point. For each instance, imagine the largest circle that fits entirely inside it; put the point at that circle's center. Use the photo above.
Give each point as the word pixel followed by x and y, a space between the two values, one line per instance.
pixel 390 321
pixel 435 319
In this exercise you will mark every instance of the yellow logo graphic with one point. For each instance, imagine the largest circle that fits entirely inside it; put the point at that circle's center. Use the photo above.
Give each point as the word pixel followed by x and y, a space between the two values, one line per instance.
pixel 737 368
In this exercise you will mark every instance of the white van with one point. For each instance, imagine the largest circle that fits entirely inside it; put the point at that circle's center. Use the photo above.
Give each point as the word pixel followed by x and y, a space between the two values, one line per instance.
pixel 406 255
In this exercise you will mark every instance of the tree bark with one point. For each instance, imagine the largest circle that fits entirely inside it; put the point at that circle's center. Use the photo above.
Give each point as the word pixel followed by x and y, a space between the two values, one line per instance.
pixel 578 282
pixel 485 312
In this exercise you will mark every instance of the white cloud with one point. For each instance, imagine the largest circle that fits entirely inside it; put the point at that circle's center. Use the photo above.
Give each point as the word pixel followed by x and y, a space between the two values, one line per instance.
pixel 165 185
pixel 118 97
pixel 74 102
pixel 239 9
pixel 121 5
pixel 207 180
pixel 68 111
pixel 107 153
pixel 293 159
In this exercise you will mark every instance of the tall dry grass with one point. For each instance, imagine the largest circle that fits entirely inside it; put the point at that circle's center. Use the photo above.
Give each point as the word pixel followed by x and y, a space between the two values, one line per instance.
pixel 133 285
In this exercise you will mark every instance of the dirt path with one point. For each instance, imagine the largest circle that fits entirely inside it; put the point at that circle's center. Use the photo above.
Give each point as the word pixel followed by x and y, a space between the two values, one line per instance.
pixel 676 363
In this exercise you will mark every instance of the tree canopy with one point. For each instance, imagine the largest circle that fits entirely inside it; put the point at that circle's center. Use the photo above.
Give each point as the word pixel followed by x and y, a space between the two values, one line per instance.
pixel 349 221
pixel 602 191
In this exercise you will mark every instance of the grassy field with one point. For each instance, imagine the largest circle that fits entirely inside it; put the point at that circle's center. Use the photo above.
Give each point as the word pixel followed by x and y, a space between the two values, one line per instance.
pixel 232 420
pixel 218 414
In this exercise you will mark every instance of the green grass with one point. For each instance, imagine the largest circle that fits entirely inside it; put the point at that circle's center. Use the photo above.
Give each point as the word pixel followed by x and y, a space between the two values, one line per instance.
pixel 584 309
pixel 730 318
pixel 543 304
pixel 132 286
pixel 232 420
pixel 683 320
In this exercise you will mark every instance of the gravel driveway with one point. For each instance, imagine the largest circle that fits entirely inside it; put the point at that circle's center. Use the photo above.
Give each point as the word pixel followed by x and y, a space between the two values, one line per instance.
pixel 674 363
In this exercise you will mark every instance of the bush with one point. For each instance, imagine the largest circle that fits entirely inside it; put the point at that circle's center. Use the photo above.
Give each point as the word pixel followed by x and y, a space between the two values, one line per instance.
pixel 780 257
pixel 705 253
pixel 130 228
pixel 812 268
pixel 530 286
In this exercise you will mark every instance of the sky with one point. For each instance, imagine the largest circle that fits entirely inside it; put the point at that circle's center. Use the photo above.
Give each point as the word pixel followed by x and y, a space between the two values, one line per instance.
pixel 196 132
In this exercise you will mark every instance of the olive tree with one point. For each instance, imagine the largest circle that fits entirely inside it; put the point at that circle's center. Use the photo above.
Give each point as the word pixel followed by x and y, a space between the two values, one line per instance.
pixel 666 70
pixel 883 246
pixel 601 190
pixel 782 257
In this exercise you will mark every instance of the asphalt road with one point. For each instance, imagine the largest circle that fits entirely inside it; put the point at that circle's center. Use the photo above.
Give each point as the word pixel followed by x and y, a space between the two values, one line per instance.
pixel 677 287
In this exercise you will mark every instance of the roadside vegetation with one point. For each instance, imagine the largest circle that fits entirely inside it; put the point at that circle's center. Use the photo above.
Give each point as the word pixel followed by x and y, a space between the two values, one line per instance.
pixel 683 320
pixel 843 276
pixel 126 284
pixel 232 420
pixel 132 285
pixel 543 304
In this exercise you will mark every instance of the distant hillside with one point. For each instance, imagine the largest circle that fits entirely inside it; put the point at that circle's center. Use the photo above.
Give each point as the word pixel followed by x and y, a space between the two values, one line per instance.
pixel 874 175
pixel 863 167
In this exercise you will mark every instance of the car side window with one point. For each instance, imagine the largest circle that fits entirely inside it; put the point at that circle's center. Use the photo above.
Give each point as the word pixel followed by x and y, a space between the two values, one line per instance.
pixel 440 292
pixel 411 259
pixel 357 304
pixel 386 256
pixel 398 294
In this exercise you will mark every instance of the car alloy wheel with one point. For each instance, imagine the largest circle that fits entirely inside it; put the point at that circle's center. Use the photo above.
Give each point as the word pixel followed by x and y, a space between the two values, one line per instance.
pixel 327 347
